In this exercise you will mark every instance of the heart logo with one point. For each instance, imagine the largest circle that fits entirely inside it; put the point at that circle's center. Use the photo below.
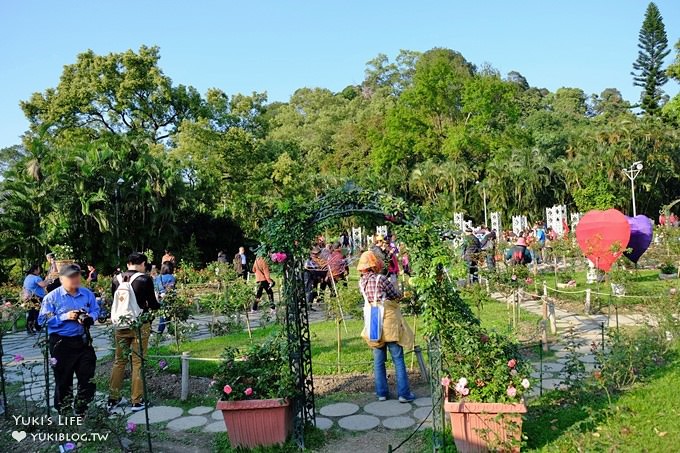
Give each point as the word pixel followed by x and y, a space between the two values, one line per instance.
pixel 19 435
pixel 641 232
pixel 603 236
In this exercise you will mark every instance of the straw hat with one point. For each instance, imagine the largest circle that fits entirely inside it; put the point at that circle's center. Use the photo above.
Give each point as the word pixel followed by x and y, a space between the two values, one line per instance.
pixel 369 262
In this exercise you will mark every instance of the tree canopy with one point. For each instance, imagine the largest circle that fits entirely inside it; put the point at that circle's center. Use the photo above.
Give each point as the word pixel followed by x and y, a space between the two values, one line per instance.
pixel 118 157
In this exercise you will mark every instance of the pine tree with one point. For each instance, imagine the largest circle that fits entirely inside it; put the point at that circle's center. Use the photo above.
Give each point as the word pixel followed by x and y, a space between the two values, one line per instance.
pixel 654 49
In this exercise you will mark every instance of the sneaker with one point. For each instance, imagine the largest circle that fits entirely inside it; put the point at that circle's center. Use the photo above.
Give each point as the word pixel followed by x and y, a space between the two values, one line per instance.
pixel 112 403
pixel 407 399
pixel 136 407
pixel 382 398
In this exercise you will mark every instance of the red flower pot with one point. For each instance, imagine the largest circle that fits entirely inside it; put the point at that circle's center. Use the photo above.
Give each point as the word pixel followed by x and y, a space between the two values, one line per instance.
pixel 255 423
pixel 480 427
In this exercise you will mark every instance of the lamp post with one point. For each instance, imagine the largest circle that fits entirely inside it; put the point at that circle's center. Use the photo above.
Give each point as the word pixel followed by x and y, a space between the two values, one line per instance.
pixel 486 219
pixel 118 184
pixel 633 173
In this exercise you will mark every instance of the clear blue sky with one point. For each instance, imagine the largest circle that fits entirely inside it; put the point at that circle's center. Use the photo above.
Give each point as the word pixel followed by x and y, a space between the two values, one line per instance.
pixel 279 46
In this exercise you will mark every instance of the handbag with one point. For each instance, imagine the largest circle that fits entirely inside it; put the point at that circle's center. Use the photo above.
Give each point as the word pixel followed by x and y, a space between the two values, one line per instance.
pixel 374 313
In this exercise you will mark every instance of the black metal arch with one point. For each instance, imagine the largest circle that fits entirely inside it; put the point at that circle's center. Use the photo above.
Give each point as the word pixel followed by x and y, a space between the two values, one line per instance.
pixel 343 203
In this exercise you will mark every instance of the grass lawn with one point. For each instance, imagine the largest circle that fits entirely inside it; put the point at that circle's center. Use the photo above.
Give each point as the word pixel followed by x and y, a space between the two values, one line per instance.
pixel 355 355
pixel 640 283
pixel 642 419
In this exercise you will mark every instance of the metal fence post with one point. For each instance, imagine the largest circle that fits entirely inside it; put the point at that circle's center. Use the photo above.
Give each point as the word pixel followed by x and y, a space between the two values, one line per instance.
pixel 421 362
pixel 185 376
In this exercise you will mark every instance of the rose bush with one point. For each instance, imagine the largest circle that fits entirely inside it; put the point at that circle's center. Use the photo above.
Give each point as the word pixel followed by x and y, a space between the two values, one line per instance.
pixel 259 372
pixel 484 367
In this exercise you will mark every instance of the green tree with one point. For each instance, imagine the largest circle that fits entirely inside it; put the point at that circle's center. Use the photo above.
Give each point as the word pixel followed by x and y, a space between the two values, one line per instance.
pixel 649 73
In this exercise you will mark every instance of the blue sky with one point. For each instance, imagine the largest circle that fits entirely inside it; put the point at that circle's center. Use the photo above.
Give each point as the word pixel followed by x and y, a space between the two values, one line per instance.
pixel 279 46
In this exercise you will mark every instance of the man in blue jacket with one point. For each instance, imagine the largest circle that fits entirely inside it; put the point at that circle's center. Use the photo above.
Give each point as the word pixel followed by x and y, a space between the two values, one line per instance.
pixel 68 312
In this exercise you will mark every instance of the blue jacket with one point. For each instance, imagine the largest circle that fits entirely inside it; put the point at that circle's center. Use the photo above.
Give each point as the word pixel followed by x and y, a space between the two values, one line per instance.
pixel 56 305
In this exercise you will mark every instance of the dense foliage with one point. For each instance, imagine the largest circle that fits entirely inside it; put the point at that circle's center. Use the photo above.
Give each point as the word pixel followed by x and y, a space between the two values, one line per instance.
pixel 118 157
pixel 259 372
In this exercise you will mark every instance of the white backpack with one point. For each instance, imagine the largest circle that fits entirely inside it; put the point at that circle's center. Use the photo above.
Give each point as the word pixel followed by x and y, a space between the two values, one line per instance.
pixel 124 309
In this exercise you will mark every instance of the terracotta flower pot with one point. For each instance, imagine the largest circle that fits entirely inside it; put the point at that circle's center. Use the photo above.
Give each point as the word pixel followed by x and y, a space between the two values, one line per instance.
pixel 480 427
pixel 255 423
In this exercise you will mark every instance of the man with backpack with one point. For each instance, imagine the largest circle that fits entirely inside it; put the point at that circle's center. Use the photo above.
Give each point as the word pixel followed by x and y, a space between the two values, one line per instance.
pixel 133 296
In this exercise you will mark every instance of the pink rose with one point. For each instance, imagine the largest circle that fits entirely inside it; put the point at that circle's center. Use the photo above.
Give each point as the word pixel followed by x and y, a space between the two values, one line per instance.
pixel 513 372
pixel 131 427
pixel 512 391
pixel 446 381
pixel 529 280
pixel 465 392
pixel 463 382
pixel 248 391
pixel 227 389
pixel 512 363
pixel 525 383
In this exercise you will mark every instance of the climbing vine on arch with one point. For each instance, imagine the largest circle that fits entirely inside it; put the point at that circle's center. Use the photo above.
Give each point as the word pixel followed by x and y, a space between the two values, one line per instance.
pixel 292 231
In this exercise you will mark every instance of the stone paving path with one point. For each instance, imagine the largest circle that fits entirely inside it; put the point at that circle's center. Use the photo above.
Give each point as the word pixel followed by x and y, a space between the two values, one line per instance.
pixel 390 414
pixel 582 329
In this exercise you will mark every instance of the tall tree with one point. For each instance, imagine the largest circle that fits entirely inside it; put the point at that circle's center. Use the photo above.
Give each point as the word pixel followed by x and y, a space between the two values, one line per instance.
pixel 654 49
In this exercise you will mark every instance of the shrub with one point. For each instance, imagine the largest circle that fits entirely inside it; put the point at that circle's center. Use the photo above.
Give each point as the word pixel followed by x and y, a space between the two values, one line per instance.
pixel 259 372
pixel 484 367
pixel 629 357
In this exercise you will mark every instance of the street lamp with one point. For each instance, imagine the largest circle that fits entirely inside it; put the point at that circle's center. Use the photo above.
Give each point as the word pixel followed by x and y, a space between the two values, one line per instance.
pixel 486 220
pixel 633 173
pixel 118 184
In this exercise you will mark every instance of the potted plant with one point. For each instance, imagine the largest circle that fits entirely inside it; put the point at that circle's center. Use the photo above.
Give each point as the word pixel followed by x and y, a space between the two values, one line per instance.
pixel 483 389
pixel 255 387
pixel 668 271
pixel 63 255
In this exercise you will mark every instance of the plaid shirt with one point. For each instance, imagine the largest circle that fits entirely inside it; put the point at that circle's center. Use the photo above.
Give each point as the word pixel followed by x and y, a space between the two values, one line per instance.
pixel 377 287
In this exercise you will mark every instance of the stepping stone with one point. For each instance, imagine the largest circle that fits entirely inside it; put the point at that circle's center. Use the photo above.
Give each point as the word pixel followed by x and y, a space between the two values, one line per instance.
pixel 157 414
pixel 389 408
pixel 588 358
pixel 553 367
pixel 551 384
pixel 217 415
pixel 185 423
pixel 215 427
pixel 201 410
pixel 324 423
pixel 422 413
pixel 359 422
pixel 339 409
pixel 422 402
pixel 398 422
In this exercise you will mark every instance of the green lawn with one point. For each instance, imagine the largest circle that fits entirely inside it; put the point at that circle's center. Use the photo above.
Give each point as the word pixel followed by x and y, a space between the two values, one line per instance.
pixel 639 283
pixel 355 355
pixel 642 419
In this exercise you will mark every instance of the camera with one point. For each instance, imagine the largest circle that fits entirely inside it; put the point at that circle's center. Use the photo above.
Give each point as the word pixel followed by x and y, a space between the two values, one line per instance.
pixel 85 319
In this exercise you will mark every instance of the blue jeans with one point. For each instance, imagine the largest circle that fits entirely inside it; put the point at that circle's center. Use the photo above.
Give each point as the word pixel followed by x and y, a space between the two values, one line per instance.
pixel 161 324
pixel 379 359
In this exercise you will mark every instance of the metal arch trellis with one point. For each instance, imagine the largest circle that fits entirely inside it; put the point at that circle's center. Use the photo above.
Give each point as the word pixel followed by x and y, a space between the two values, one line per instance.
pixel 340 203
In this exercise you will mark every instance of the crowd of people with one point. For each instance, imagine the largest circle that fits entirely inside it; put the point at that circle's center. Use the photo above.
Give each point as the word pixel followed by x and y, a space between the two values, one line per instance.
pixel 527 246
pixel 672 220
pixel 65 304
